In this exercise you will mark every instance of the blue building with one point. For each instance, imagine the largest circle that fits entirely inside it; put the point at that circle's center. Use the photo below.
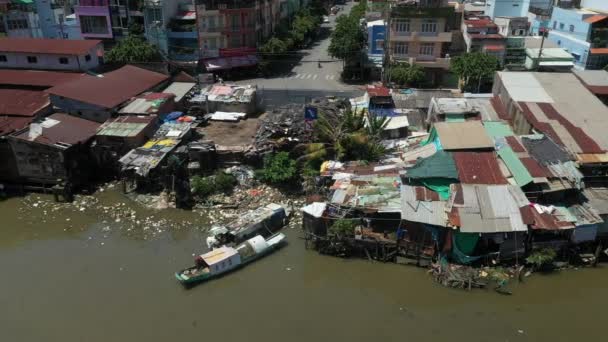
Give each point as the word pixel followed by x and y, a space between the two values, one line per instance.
pixel 507 8
pixel 376 35
pixel 583 33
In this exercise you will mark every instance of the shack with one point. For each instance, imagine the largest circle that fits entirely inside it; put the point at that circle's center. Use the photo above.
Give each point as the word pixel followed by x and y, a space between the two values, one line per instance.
pixel 157 104
pixel 180 90
pixel 118 136
pixel 98 98
pixel 227 98
pixel 55 150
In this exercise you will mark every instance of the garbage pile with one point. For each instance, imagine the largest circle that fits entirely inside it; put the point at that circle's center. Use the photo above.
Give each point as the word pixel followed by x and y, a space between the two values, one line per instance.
pixel 287 124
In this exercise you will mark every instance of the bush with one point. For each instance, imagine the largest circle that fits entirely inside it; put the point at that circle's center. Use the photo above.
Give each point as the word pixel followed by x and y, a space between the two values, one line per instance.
pixel 541 257
pixel 206 186
pixel 343 227
pixel 278 169
pixel 224 182
pixel 202 186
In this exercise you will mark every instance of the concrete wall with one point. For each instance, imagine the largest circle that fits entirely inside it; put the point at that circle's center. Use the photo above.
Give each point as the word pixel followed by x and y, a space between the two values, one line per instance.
pixel 50 62
pixel 81 109
pixel 38 162
pixel 600 5
pixel 507 8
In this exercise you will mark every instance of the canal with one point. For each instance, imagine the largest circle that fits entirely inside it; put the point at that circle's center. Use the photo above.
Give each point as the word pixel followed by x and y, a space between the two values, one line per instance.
pixel 74 273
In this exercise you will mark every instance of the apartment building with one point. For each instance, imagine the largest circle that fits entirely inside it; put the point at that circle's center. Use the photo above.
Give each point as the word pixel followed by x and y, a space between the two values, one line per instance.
pixel 481 34
pixel 515 29
pixel 171 26
pixel 421 33
pixel 49 54
pixel 107 19
pixel 35 19
pixel 583 33
pixel 229 28
pixel 507 8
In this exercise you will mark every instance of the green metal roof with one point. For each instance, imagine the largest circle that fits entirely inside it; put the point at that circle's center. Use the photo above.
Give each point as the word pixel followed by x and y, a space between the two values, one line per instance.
pixel 439 165
pixel 515 166
pixel 497 129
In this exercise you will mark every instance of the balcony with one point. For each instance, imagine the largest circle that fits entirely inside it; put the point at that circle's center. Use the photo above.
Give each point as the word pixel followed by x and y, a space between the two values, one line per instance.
pixel 182 35
pixel 423 37
pixel 424 61
pixel 239 28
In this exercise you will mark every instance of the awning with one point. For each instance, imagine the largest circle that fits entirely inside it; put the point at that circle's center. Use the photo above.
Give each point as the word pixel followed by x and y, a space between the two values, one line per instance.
pixel 189 15
pixel 226 63
pixel 557 63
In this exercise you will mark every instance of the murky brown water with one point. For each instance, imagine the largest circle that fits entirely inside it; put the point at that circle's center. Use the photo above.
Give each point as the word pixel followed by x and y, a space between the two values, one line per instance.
pixel 86 280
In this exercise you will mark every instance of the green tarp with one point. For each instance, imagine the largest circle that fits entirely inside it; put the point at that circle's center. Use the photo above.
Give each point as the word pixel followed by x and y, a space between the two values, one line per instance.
pixel 516 167
pixel 496 129
pixel 463 244
pixel 440 185
pixel 439 165
pixel 454 118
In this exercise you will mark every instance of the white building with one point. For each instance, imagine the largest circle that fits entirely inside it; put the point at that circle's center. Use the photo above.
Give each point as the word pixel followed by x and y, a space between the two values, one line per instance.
pixel 507 8
pixel 49 54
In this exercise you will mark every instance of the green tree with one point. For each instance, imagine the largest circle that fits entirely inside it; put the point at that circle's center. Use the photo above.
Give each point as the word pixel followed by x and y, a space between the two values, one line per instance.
pixel 474 67
pixel 358 11
pixel 132 50
pixel 343 227
pixel 279 169
pixel 405 74
pixel 348 38
pixel 274 46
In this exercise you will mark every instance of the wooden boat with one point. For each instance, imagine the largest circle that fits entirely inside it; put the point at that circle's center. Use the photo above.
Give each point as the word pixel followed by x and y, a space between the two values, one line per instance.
pixel 226 259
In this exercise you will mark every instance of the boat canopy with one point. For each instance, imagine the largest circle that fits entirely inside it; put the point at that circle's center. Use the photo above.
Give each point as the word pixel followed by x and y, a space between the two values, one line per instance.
pixel 258 243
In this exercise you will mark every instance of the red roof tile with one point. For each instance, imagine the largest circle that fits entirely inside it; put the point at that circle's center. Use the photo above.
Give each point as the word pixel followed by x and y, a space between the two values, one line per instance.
pixel 112 89
pixel 69 130
pixel 10 124
pixel 515 145
pixel 478 168
pixel 534 168
pixel 20 102
pixel 378 91
pixel 598 90
pixel 542 221
pixel 36 78
pixel 584 141
pixel 48 46
pixel 595 18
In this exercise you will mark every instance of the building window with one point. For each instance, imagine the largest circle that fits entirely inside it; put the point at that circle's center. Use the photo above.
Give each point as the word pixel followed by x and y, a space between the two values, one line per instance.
pixel 427 49
pixel 401 48
pixel 87 58
pixel 93 24
pixel 154 16
pixel 3 58
pixel 571 28
pixel 379 44
pixel 32 59
pixel 561 26
pixel 17 24
pixel 212 43
pixel 235 41
pixel 402 25
pixel 63 60
pixel 554 25
pixel 429 25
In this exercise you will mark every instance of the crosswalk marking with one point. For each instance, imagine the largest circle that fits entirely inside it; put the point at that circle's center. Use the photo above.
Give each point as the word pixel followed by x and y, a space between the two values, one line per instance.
pixel 314 77
pixel 311 77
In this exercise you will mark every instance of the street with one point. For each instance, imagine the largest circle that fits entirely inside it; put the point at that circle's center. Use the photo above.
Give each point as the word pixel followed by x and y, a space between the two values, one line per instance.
pixel 307 74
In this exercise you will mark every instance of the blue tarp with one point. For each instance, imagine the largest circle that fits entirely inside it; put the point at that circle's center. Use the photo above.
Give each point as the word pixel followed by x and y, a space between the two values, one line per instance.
pixel 173 116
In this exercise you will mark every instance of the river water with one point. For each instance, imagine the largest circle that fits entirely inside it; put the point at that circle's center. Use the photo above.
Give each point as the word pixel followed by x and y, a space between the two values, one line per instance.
pixel 73 275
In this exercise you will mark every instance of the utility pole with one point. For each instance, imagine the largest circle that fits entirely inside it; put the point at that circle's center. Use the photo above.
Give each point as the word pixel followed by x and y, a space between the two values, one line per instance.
pixel 387 44
pixel 540 51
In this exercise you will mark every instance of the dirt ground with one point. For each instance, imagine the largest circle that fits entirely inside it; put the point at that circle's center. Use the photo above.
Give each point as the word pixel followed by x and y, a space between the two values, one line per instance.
pixel 232 133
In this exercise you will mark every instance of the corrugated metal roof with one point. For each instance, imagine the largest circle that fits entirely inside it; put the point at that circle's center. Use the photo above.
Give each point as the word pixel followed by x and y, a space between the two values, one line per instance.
pixel 419 152
pixel 36 78
pixel 63 129
pixel 179 89
pixel 21 102
pixel 126 126
pixel 48 46
pixel 515 166
pixel 10 124
pixel 415 210
pixel 598 199
pixel 497 129
pixel 463 135
pixel 515 145
pixel 439 165
pixel 111 90
pixel 478 168
pixel 544 150
pixel 534 168
pixel 491 209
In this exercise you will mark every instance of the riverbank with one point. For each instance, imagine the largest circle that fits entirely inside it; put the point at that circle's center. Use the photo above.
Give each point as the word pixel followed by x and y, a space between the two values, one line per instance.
pixel 66 286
